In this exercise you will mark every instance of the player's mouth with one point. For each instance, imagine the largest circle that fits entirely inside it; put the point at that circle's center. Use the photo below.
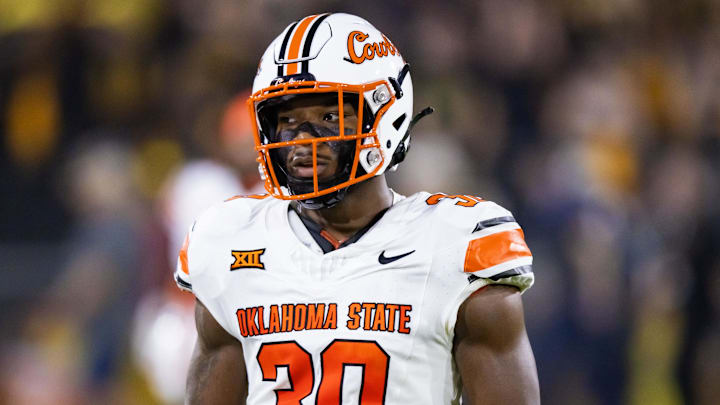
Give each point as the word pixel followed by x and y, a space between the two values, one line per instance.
pixel 302 166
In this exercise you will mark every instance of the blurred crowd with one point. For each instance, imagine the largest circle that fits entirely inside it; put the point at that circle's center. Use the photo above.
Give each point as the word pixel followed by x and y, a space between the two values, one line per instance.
pixel 596 122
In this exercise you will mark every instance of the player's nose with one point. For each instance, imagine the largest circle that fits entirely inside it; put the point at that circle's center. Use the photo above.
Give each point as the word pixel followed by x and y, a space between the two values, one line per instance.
pixel 304 134
pixel 302 149
pixel 306 131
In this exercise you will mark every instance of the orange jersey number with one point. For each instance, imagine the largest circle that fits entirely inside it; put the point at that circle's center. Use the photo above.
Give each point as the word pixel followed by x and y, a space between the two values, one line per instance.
pixel 299 369
pixel 338 354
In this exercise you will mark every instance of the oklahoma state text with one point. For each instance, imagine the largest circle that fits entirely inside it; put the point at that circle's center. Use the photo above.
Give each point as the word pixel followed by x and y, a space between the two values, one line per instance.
pixel 262 320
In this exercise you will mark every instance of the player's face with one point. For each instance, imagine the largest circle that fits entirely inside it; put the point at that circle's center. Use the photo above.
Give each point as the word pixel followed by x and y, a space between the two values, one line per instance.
pixel 316 115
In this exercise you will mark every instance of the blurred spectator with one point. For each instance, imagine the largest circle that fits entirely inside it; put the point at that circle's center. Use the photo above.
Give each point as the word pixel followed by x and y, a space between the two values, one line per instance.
pixel 77 333
pixel 229 168
pixel 166 315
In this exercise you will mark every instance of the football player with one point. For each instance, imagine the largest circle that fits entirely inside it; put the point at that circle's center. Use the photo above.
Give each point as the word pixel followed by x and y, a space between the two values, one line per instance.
pixel 333 288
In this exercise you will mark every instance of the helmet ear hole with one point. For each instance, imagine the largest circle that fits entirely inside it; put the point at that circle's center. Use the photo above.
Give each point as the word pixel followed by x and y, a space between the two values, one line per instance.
pixel 398 122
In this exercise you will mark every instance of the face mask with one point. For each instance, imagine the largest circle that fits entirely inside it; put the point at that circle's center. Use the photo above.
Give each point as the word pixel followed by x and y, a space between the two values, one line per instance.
pixel 317 131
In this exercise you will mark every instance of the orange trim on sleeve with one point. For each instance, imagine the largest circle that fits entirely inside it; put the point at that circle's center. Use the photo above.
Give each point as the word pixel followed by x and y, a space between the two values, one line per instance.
pixel 294 51
pixel 494 249
pixel 183 255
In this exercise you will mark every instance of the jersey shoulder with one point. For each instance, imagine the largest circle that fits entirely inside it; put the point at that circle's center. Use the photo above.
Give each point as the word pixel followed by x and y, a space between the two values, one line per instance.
pixel 230 215
pixel 220 221
pixel 477 237
pixel 457 213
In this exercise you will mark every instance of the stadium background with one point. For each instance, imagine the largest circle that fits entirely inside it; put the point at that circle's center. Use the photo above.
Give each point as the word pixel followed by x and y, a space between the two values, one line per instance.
pixel 596 122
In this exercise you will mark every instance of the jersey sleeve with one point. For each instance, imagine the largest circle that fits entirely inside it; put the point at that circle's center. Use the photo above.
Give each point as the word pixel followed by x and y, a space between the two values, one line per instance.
pixel 478 245
pixel 496 251
pixel 486 243
pixel 196 270
pixel 182 270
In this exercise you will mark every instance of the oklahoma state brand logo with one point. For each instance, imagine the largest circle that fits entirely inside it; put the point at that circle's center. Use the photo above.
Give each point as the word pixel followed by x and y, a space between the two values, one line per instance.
pixel 370 50
pixel 245 259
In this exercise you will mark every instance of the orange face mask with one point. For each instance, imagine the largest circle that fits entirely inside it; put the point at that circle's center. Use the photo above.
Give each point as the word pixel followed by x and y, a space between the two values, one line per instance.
pixel 274 140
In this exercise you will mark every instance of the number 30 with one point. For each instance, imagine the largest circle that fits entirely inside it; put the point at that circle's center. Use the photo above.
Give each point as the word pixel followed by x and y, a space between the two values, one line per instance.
pixel 338 354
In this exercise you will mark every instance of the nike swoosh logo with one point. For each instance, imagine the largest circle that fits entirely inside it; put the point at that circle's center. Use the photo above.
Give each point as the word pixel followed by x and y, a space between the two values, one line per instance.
pixel 385 260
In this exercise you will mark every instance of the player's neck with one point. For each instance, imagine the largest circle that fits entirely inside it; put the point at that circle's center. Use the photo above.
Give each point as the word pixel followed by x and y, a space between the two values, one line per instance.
pixel 360 206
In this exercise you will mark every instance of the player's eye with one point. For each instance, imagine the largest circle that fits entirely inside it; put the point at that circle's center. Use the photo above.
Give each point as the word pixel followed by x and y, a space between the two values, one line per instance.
pixel 331 117
pixel 285 121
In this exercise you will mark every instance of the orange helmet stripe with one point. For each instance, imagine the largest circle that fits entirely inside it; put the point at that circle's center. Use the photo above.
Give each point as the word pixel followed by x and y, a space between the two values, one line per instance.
pixel 297 38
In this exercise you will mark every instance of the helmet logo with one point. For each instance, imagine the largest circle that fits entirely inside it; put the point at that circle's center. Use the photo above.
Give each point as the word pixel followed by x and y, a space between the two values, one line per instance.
pixel 370 50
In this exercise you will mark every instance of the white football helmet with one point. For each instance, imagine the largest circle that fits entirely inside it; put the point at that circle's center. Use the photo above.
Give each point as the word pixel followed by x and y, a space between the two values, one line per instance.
pixel 338 54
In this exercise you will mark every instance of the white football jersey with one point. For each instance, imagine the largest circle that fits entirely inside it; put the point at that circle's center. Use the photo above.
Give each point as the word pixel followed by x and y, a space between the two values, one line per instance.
pixel 369 323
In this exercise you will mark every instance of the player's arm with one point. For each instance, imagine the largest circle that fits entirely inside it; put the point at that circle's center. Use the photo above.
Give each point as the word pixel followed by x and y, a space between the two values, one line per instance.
pixel 492 350
pixel 217 373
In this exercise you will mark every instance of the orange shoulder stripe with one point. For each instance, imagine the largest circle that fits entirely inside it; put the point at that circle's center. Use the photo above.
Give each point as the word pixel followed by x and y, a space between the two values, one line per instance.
pixel 495 249
pixel 183 255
